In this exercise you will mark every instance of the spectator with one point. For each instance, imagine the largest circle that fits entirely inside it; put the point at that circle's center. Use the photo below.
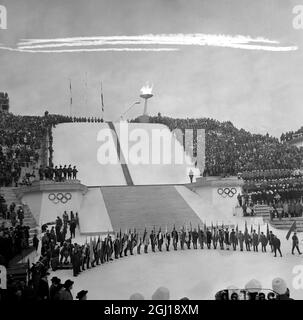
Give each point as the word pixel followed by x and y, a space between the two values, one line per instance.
pixel 279 286
pixel 66 293
pixel 43 288
pixel 161 293
pixel 82 295
pixel 55 286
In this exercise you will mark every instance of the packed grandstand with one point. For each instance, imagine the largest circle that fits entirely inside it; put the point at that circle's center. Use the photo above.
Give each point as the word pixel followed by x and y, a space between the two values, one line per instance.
pixel 267 166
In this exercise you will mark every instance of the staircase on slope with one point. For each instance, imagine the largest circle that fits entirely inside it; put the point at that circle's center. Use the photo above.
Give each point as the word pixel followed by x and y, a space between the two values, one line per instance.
pixel 283 224
pixel 10 196
pixel 262 210
pixel 152 207
pixel 286 223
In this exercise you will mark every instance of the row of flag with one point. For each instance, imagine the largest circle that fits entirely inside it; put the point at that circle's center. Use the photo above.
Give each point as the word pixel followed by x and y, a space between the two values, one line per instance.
pixel 101 97
pixel 133 237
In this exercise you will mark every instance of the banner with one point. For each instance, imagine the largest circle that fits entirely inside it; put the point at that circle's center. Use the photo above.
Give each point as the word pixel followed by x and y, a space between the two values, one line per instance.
pixel 292 228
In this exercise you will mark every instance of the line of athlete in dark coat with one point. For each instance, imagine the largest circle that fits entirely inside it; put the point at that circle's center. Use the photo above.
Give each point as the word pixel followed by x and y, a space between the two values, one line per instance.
pixel 100 250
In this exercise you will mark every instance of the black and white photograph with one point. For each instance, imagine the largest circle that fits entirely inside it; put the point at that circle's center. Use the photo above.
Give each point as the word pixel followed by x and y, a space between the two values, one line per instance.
pixel 151 150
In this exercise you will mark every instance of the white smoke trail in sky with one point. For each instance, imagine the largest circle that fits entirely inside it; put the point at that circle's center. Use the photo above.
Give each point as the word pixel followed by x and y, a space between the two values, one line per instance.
pixel 147 43
pixel 90 50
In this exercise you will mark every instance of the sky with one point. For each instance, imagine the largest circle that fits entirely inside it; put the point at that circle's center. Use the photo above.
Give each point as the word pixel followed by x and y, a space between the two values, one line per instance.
pixel 256 85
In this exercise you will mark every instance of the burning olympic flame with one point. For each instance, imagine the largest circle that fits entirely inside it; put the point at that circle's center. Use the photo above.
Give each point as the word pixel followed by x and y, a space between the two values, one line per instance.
pixel 147 89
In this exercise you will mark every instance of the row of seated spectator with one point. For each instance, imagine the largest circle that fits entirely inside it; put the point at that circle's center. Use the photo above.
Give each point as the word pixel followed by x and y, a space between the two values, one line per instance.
pixel 54 119
pixel 274 189
pixel 230 150
pixel 270 174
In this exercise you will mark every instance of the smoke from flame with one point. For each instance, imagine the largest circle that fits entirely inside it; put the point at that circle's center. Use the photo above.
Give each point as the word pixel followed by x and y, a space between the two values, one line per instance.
pixel 147 89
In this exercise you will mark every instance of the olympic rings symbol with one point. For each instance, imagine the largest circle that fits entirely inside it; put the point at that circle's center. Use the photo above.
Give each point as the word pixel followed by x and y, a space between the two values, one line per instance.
pixel 59 197
pixel 224 192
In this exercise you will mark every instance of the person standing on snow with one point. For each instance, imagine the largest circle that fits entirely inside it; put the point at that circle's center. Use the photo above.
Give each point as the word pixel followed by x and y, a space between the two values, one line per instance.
pixel 277 245
pixel 295 243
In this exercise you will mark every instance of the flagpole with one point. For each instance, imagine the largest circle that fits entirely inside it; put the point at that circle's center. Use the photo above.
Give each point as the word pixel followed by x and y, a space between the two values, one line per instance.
pixel 71 98
pixel 86 89
pixel 102 101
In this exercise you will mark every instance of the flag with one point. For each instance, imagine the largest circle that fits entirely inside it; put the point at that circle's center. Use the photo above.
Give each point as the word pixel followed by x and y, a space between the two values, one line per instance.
pixel 135 238
pixel 292 228
pixel 85 82
pixel 246 230
pixel 70 90
pixel 28 270
pixel 98 247
pixel 267 232
pixel 259 231
pixel 144 235
pixel 71 97
pixel 91 250
pixel 251 229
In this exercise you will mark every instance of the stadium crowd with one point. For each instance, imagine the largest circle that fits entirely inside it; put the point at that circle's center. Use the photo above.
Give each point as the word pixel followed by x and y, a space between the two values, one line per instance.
pixel 230 151
pixel 290 135
pixel 14 237
pixel 20 142
pixel 280 189
pixel 265 164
